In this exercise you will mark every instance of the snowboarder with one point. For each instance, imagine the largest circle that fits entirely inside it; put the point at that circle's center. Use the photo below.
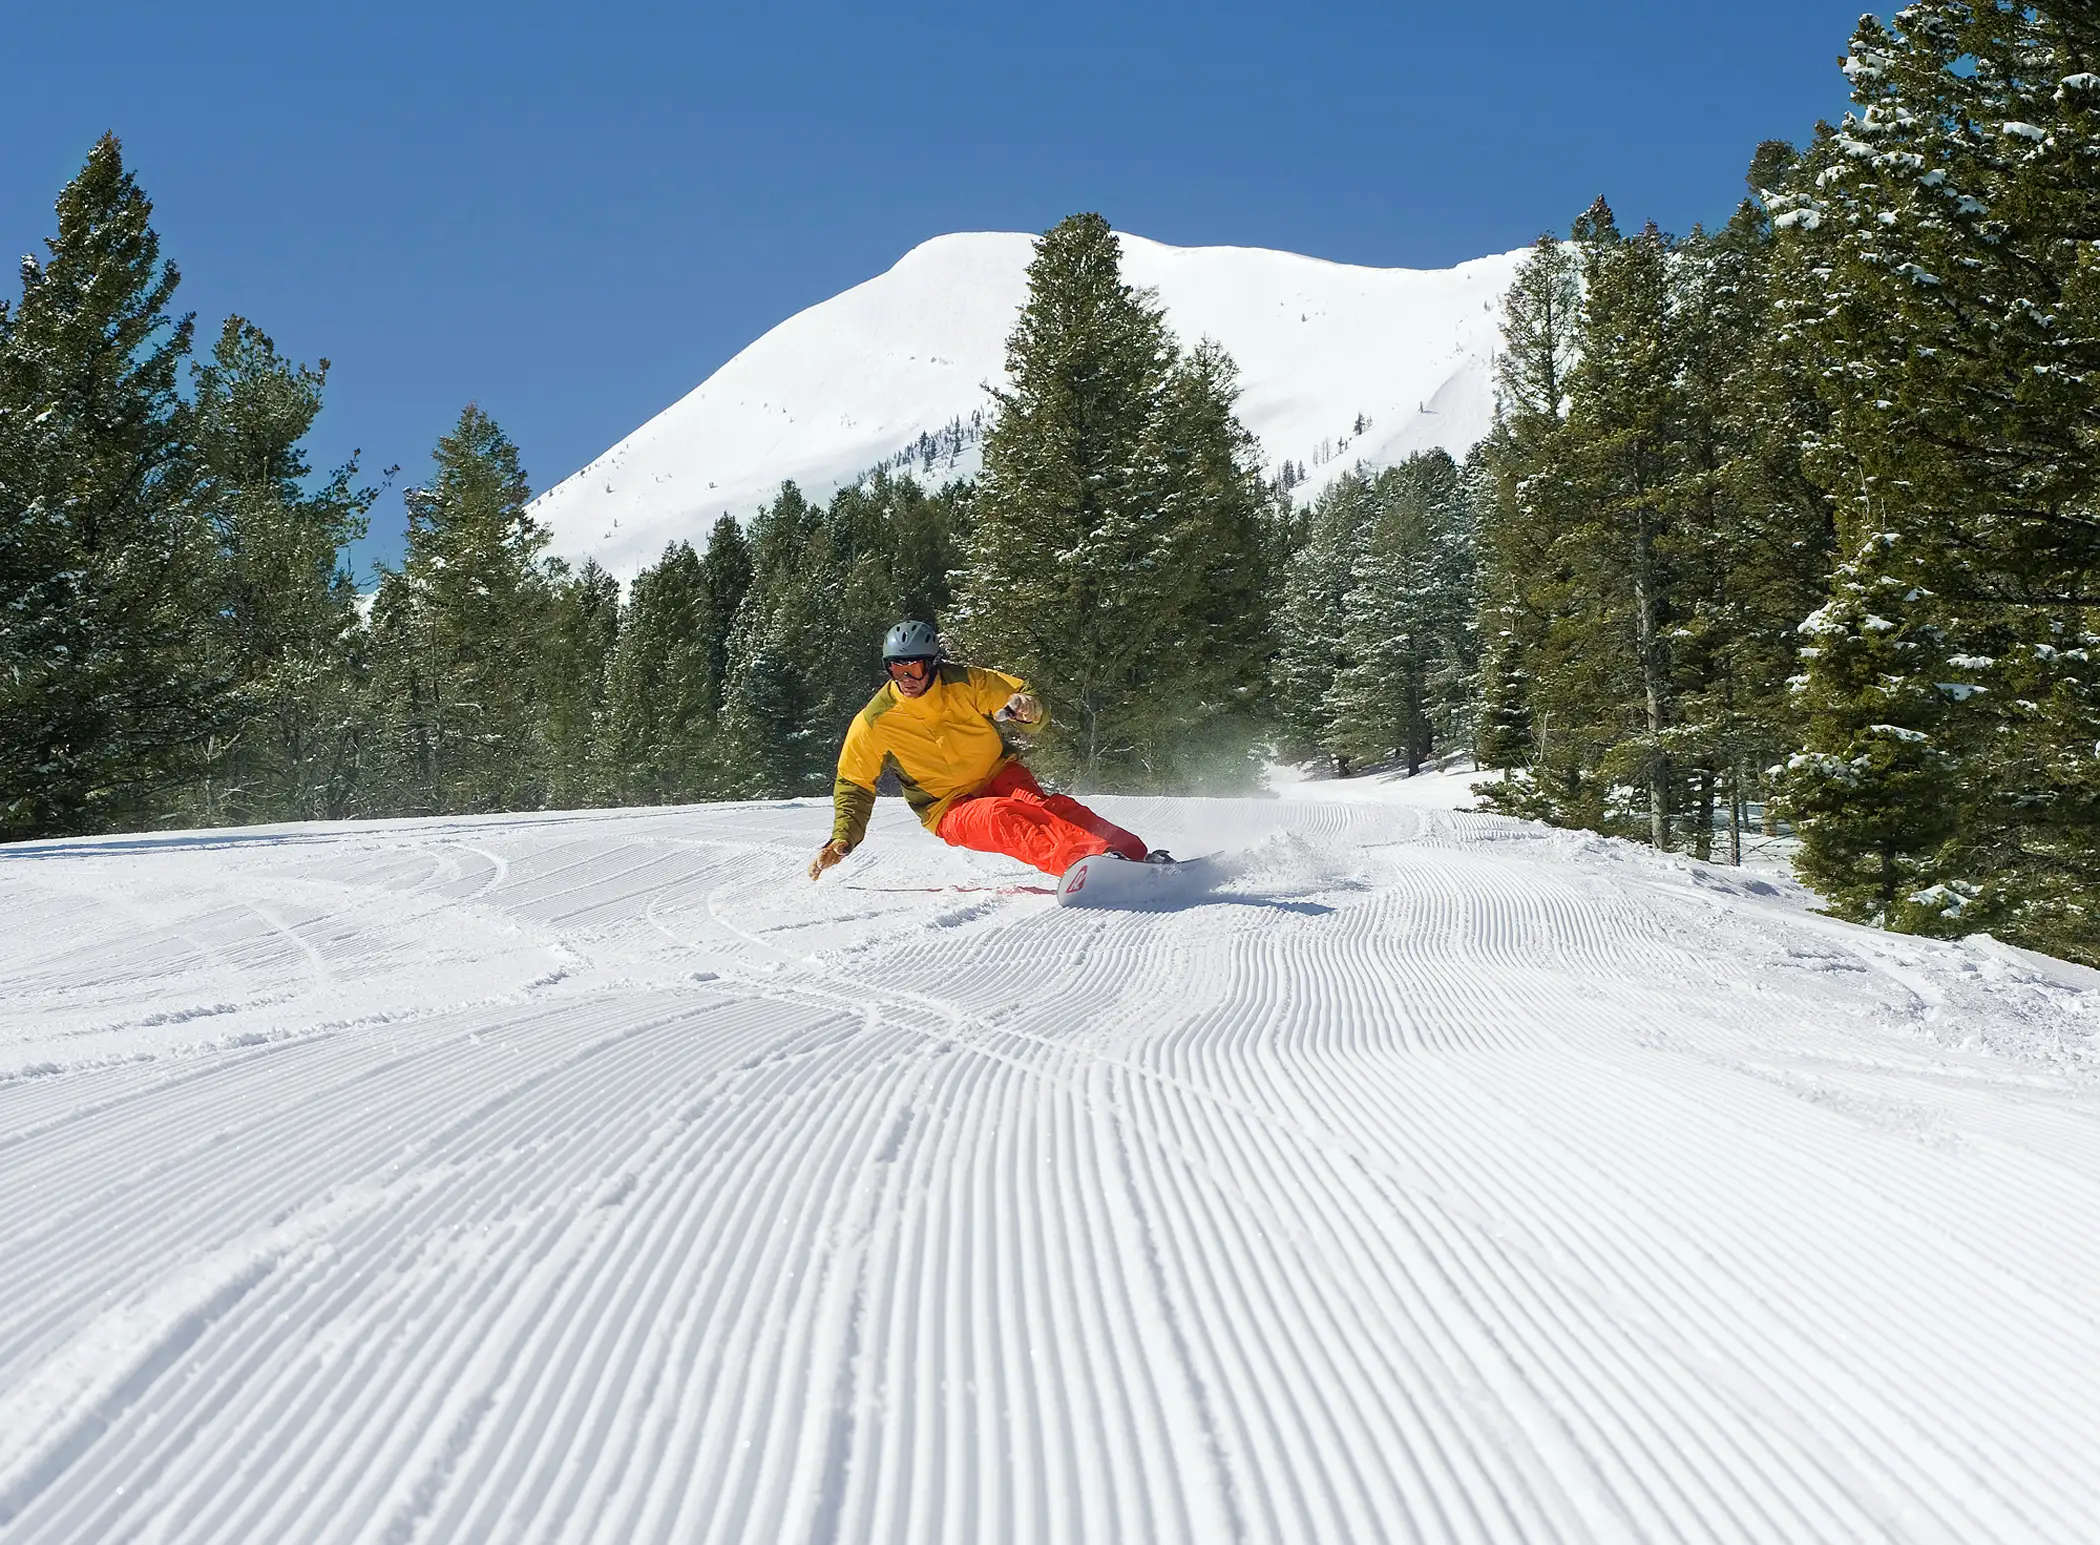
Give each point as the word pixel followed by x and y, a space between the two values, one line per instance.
pixel 936 724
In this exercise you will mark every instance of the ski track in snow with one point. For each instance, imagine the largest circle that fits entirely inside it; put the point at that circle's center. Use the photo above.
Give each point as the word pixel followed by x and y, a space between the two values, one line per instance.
pixel 595 1177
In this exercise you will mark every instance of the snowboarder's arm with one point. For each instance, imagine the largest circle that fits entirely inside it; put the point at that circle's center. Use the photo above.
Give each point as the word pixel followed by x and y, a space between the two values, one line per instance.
pixel 1006 698
pixel 851 805
pixel 853 792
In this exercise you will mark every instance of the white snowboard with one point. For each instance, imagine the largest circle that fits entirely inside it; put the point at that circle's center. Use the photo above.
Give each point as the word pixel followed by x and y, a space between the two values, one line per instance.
pixel 1107 881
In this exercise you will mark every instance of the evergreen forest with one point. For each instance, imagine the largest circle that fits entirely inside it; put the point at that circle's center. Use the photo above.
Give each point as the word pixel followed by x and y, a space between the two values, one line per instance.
pixel 1791 525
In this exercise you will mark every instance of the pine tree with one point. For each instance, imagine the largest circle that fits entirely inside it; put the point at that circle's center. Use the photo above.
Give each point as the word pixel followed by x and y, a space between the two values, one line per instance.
pixel 1061 584
pixel 1114 466
pixel 107 576
pixel 1752 532
pixel 1958 326
pixel 1312 649
pixel 289 743
pixel 1503 742
pixel 581 632
pixel 660 738
pixel 1211 580
pixel 782 707
pixel 1623 405
pixel 798 612
pixel 1540 317
pixel 1650 540
pixel 1523 502
pixel 456 635
pixel 931 533
pixel 653 731
pixel 1874 814
pixel 1455 691
pixel 1576 539
pixel 889 548
pixel 1403 618
pixel 725 579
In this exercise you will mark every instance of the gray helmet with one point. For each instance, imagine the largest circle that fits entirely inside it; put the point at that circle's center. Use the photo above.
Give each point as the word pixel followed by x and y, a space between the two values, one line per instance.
pixel 912 641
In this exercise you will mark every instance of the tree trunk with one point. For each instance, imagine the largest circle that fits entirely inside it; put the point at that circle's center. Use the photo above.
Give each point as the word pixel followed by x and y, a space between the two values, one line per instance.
pixel 1735 812
pixel 1704 841
pixel 1651 684
pixel 1417 746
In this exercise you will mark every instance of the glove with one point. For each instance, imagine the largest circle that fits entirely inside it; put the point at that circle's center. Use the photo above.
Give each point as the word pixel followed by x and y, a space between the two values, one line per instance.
pixel 827 855
pixel 1023 709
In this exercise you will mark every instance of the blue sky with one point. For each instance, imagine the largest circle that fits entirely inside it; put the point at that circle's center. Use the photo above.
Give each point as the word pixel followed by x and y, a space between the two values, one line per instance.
pixel 573 214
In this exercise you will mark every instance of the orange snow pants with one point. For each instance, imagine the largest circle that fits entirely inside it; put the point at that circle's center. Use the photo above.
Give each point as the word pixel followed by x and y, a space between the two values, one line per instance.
pixel 1015 817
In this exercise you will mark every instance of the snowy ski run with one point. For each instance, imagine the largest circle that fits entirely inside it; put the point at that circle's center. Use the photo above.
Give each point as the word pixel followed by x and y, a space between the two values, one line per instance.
pixel 597 1177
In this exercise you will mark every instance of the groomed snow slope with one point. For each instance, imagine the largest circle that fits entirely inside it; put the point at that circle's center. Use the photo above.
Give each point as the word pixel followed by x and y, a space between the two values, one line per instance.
pixel 597 1177
pixel 851 382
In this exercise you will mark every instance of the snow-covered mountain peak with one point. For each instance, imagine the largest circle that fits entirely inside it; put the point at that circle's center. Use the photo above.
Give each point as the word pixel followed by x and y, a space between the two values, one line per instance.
pixel 1337 363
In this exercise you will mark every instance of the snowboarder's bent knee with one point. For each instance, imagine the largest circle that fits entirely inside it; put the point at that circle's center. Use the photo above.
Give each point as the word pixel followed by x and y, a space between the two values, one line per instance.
pixel 936 725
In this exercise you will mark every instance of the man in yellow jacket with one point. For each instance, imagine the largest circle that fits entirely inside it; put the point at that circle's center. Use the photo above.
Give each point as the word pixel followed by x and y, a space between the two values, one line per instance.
pixel 935 724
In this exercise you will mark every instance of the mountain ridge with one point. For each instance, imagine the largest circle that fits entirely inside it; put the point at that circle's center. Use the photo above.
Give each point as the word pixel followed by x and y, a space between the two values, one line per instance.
pixel 1378 363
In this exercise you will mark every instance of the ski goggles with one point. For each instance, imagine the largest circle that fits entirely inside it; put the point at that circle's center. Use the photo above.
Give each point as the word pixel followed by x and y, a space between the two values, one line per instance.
pixel 908 670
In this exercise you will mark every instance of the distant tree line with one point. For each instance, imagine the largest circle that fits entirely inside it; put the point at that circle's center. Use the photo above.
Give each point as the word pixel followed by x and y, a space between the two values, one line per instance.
pixel 182 641
pixel 1792 524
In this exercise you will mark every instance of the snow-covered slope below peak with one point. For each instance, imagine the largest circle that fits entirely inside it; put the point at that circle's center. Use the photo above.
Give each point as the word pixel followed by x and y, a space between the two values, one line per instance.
pixel 858 379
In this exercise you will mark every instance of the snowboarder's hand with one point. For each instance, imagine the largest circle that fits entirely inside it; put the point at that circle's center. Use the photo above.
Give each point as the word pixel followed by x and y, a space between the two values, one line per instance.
pixel 827 855
pixel 1023 708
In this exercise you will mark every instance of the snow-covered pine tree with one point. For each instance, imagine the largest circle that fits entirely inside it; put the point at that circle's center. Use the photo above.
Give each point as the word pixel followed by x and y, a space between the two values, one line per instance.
pixel 1751 532
pixel 107 582
pixel 288 743
pixel 1541 317
pixel 1454 682
pixel 1502 742
pixel 1781 545
pixel 1648 538
pixel 1404 637
pixel 1709 625
pixel 1874 813
pixel 1312 647
pixel 1522 501
pixel 1614 650
pixel 1954 212
pixel 457 634
pixel 640 743
pixel 1575 539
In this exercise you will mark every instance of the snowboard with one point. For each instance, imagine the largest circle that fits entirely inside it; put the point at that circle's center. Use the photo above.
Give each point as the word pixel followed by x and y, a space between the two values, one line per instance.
pixel 1107 881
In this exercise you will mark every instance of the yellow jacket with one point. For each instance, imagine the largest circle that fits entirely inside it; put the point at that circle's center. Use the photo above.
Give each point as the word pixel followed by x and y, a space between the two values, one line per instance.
pixel 942 744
